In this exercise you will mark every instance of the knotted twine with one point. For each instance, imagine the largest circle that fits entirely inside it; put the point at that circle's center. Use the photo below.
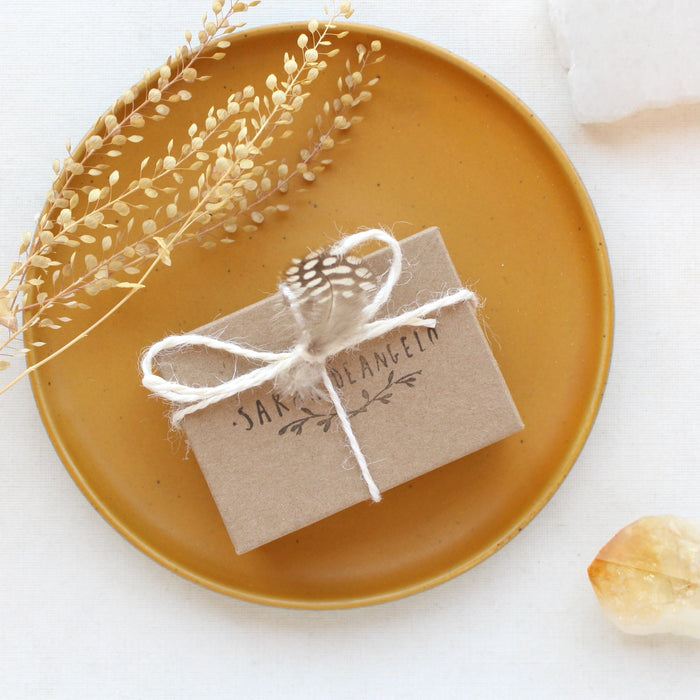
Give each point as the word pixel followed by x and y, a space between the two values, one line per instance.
pixel 276 364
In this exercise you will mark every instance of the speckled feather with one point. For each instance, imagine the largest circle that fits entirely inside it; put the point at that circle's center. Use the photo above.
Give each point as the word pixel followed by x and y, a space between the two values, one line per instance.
pixel 331 292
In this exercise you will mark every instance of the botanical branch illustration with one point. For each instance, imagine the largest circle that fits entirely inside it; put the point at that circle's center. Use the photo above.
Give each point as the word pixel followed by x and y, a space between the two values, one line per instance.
pixel 325 420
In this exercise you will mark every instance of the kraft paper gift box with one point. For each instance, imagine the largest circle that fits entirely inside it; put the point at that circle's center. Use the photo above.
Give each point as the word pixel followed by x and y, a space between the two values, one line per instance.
pixel 418 398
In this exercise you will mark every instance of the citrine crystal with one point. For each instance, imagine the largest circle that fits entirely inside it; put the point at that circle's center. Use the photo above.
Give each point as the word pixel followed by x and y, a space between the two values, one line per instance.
pixel 647 578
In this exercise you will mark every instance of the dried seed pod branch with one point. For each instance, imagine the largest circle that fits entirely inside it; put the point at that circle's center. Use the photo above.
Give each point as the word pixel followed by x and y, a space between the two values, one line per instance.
pixel 92 238
pixel 135 107
pixel 353 92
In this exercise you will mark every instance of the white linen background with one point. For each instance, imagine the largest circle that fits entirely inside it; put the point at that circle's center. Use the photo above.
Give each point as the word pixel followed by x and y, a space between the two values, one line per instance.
pixel 83 613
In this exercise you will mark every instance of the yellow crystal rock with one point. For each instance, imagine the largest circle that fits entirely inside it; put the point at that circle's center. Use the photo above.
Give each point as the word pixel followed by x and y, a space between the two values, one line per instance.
pixel 647 578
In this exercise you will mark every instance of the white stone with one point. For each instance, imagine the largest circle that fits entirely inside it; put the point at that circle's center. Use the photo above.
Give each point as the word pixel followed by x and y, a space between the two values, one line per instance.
pixel 627 55
pixel 647 578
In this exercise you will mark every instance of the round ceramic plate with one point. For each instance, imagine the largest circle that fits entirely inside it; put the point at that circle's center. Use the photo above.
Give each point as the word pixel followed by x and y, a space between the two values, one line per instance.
pixel 441 144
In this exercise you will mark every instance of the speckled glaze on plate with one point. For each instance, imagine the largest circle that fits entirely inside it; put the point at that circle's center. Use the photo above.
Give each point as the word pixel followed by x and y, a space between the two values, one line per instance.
pixel 442 144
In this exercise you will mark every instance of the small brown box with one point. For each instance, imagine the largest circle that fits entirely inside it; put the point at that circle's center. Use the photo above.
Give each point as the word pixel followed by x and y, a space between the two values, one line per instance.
pixel 418 399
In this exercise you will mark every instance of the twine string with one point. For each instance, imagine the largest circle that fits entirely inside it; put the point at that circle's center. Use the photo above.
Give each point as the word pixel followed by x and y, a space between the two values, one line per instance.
pixel 276 364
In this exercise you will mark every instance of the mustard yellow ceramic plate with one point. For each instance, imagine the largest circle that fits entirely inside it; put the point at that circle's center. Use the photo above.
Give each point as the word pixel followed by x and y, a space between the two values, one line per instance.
pixel 442 144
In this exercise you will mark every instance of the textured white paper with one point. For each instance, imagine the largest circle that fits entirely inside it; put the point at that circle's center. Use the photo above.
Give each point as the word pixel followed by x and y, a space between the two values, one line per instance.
pixel 627 55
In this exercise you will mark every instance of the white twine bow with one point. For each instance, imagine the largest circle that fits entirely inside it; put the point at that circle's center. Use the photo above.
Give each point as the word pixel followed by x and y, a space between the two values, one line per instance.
pixel 276 364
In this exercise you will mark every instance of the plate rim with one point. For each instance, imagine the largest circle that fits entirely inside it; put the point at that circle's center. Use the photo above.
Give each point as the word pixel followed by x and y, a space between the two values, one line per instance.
pixel 577 442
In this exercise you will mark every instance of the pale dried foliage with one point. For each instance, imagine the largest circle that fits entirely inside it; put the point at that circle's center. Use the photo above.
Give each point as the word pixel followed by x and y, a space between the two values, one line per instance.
pixel 112 233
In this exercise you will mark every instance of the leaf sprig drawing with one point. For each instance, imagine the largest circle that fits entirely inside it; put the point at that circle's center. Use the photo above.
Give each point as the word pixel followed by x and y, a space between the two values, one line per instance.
pixel 105 230
pixel 325 420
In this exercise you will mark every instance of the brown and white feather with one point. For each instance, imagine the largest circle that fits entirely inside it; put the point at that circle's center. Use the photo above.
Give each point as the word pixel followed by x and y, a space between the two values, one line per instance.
pixel 331 293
